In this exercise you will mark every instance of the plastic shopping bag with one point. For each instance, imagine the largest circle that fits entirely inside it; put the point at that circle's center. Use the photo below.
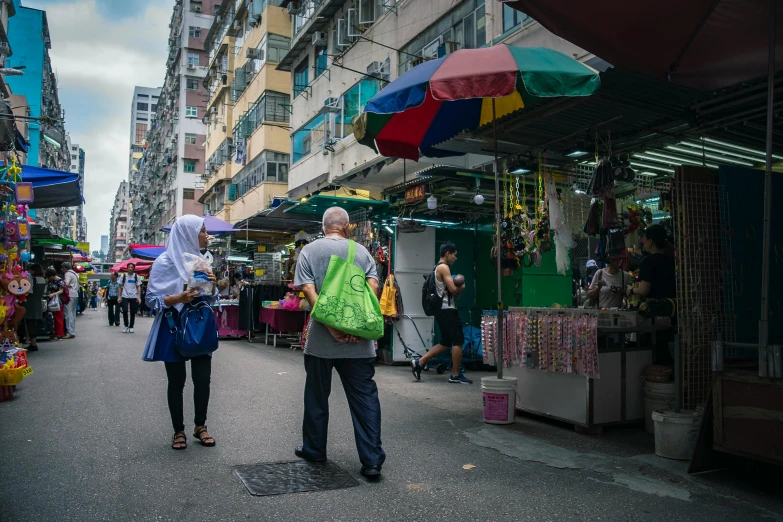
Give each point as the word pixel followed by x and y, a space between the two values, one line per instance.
pixel 346 301
pixel 199 269
pixel 389 298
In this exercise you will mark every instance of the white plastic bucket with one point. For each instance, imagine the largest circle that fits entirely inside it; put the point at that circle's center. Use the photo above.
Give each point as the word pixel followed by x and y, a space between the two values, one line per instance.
pixel 499 398
pixel 674 433
pixel 657 396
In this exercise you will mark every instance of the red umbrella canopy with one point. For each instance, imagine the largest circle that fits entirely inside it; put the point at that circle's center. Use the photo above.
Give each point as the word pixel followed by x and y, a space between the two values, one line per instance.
pixel 142 266
pixel 703 44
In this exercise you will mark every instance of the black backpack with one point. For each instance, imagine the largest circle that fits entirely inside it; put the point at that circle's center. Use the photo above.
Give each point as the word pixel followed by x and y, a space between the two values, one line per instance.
pixel 431 302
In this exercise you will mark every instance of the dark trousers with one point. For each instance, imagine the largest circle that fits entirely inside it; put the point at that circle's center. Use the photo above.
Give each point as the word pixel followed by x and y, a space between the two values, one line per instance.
pixel 114 311
pixel 134 308
pixel 200 372
pixel 362 393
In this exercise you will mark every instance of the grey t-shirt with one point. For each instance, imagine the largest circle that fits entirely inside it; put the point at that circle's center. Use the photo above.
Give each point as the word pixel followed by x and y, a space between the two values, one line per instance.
pixel 311 269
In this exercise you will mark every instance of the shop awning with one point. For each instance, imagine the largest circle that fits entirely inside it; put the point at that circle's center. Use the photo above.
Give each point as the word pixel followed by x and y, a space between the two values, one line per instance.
pixel 317 205
pixel 53 188
pixel 142 266
pixel 704 44
pixel 318 183
pixel 148 253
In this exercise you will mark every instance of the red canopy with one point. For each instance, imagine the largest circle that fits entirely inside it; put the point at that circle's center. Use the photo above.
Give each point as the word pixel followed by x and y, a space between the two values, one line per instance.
pixel 704 44
pixel 142 266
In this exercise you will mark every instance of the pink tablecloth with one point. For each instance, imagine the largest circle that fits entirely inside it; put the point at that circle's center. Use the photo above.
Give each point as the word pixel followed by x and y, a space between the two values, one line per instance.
pixel 228 321
pixel 281 320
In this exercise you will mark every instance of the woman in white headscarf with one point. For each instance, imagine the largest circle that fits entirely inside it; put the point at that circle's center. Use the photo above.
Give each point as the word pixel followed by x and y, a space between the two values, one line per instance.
pixel 164 292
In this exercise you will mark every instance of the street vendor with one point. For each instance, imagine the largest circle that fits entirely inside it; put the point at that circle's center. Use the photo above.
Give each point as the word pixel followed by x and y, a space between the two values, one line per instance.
pixel 656 274
pixel 609 284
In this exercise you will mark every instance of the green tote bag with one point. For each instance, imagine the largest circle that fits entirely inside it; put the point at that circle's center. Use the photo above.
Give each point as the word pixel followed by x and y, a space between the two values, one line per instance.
pixel 346 301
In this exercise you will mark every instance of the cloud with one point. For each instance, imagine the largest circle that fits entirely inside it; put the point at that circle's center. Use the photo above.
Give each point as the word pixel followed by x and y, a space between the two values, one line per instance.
pixel 101 50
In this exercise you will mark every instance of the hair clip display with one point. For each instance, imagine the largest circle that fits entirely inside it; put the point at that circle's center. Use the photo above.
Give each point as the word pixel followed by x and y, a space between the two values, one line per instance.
pixel 548 339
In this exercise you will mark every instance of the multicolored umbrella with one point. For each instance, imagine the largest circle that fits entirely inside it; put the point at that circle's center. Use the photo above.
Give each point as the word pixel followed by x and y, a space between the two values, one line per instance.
pixel 214 226
pixel 435 101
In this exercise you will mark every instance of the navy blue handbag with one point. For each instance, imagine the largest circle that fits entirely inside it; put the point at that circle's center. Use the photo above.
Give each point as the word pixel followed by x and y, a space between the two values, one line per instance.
pixel 197 331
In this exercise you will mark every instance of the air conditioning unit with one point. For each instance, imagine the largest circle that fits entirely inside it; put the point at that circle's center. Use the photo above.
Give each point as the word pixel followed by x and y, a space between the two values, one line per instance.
pixel 5 49
pixel 293 7
pixel 253 22
pixel 196 8
pixel 319 39
pixel 374 69
pixel 191 67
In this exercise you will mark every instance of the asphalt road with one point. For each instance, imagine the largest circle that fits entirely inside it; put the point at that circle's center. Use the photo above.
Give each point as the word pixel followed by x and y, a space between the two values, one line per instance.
pixel 87 438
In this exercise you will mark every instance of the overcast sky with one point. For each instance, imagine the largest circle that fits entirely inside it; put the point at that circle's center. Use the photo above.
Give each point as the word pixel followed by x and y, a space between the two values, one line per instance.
pixel 100 50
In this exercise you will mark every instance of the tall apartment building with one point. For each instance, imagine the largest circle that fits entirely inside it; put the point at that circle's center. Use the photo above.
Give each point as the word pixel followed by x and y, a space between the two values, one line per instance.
pixel 172 166
pixel 105 245
pixel 31 41
pixel 118 224
pixel 76 214
pixel 143 108
pixel 248 142
pixel 344 51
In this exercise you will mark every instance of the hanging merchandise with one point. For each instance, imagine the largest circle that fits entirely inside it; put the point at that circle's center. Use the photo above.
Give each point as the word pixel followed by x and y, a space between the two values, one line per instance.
pixel 240 152
pixel 389 299
pixel 564 241
pixel 551 340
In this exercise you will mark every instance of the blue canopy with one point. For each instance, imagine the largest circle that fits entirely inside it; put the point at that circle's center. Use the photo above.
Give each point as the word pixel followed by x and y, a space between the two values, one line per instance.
pixel 53 188
pixel 148 252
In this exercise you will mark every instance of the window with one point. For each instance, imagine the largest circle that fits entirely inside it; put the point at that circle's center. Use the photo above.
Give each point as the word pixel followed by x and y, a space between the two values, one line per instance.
pixel 320 63
pixel 465 25
pixel 267 166
pixel 142 106
pixel 189 165
pixel 188 194
pixel 191 112
pixel 300 78
pixel 143 96
pixel 194 32
pixel 155 96
pixel 190 139
pixel 313 133
pixel 354 100
pixel 142 117
pixel 74 149
pixel 154 107
pixel 276 47
pixel 512 18
pixel 193 59
pixel 141 132
pixel 191 85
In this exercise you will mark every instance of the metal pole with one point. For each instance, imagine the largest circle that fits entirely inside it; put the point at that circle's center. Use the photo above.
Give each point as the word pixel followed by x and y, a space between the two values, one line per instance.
pixel 497 242
pixel 677 376
pixel 764 322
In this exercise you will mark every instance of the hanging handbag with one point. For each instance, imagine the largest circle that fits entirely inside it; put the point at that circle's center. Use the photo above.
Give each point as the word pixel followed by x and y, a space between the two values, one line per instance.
pixel 53 305
pixel 346 302
pixel 195 329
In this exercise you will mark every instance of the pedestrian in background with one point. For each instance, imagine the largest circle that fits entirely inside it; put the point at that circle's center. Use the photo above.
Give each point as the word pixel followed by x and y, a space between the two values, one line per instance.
pixel 165 293
pixel 131 297
pixel 72 285
pixel 55 288
pixel 94 290
pixel 327 348
pixel 112 297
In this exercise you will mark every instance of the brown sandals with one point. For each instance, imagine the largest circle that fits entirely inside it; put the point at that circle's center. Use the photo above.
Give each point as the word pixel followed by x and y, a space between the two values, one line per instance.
pixel 180 441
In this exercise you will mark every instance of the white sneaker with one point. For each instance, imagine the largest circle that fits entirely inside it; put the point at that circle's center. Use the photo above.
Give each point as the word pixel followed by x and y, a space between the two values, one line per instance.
pixel 125 330
pixel 131 330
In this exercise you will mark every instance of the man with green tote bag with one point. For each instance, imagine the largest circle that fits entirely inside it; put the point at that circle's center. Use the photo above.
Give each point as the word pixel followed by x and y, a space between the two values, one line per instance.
pixel 328 348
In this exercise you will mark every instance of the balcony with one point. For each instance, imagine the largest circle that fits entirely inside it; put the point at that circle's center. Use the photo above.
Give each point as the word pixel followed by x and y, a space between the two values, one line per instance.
pixel 312 16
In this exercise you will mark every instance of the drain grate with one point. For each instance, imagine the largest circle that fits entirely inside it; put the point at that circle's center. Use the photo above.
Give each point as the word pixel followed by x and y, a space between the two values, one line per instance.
pixel 278 478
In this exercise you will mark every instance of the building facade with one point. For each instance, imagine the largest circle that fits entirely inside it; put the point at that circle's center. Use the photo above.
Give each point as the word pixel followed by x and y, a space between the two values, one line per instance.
pixel 173 161
pixel 248 111
pixel 343 52
pixel 143 108
pixel 78 220
pixel 105 245
pixel 30 40
pixel 118 225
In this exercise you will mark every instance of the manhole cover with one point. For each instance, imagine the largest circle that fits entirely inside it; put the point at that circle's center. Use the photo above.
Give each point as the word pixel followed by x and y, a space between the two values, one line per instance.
pixel 277 478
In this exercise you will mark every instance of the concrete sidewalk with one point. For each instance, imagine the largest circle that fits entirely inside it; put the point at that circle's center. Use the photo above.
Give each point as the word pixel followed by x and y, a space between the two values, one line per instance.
pixel 88 436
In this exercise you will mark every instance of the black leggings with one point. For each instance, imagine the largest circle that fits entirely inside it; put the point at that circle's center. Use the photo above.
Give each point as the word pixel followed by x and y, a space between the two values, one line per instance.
pixel 200 372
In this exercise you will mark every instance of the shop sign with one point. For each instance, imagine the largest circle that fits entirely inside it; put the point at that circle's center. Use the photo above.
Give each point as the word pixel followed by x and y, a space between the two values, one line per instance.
pixel 414 194
pixel 85 247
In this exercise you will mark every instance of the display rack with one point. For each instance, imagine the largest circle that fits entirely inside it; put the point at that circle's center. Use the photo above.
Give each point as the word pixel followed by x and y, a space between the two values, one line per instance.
pixel 268 267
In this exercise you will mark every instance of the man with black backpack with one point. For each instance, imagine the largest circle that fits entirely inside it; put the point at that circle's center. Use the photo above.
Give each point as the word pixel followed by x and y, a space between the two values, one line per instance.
pixel 130 286
pixel 438 295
